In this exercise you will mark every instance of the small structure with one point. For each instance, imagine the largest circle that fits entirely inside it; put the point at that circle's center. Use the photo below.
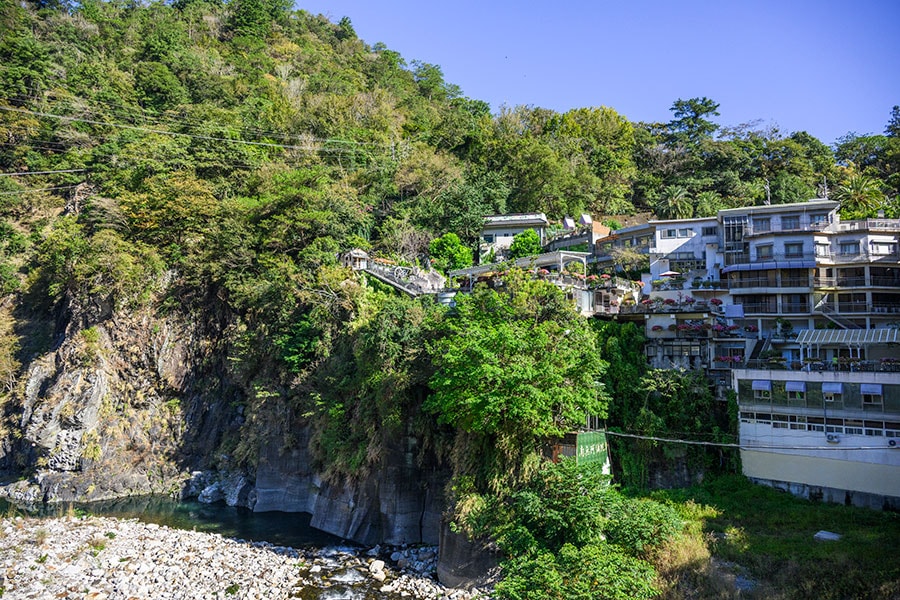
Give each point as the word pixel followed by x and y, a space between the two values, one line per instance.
pixel 356 259
pixel 499 230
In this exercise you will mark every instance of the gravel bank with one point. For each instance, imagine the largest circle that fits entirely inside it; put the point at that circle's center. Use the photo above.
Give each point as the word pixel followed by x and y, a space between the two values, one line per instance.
pixel 96 558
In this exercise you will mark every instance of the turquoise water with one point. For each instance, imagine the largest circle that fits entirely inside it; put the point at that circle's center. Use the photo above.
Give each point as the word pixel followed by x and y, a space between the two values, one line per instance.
pixel 283 529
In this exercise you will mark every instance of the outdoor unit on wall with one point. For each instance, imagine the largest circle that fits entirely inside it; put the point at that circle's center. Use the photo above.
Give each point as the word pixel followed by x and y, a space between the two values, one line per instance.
pixel 893 444
pixel 833 438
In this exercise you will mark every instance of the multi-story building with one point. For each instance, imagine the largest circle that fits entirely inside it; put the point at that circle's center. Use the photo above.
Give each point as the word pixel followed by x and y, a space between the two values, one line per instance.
pixel 793 309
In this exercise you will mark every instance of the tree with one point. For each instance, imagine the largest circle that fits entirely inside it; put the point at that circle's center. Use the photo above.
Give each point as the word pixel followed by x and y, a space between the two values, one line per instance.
pixel 448 253
pixel 860 196
pixel 527 243
pixel 675 203
pixel 690 127
pixel 513 368
pixel 893 127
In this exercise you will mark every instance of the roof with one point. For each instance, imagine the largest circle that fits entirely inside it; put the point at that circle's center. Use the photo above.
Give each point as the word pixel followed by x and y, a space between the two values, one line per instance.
pixel 548 259
pixel 764 266
pixel 818 204
pixel 851 337
pixel 516 219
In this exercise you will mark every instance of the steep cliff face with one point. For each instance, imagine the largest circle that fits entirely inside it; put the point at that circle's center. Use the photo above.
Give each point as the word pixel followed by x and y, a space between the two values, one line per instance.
pixel 131 403
pixel 112 409
pixel 400 503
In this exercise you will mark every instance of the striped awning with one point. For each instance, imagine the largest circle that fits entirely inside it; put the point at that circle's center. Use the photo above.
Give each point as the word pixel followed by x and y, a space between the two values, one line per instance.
pixel 851 337
pixel 765 266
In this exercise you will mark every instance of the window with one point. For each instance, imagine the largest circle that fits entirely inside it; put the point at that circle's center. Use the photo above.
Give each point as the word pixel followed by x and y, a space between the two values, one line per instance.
pixel 818 220
pixel 764 252
pixel 762 389
pixel 884 248
pixel 670 233
pixel 793 249
pixel 762 224
pixel 853 426
pixel 710 230
pixel 871 395
pixel 790 223
pixel 823 249
pixel 849 248
pixel 796 390
pixel 684 233
pixel 489 238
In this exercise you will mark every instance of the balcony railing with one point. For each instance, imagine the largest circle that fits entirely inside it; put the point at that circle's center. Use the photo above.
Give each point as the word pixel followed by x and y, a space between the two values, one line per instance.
pixel 795 307
pixel 859 307
pixel 760 308
pixel 856 257
pixel 870 225
pixel 876 281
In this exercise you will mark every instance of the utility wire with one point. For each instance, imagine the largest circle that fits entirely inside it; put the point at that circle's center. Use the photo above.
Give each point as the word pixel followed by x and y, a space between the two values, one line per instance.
pixel 46 189
pixel 43 172
pixel 740 446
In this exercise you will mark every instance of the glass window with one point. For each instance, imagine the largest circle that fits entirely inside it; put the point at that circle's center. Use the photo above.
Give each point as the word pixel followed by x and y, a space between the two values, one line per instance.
pixel 709 230
pixel 849 248
pixel 793 249
pixel 790 223
pixel 489 238
pixel 871 400
pixel 684 233
pixel 670 233
pixel 823 249
pixel 884 248
pixel 819 219
pixel 762 224
pixel 764 252
pixel 762 395
pixel 796 395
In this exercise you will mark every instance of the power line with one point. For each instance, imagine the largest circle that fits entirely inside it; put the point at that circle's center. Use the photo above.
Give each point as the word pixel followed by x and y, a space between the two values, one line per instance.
pixel 46 189
pixel 739 446
pixel 43 172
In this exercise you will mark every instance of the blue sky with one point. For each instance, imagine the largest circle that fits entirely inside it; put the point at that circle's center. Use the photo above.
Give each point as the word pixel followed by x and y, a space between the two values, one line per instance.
pixel 825 67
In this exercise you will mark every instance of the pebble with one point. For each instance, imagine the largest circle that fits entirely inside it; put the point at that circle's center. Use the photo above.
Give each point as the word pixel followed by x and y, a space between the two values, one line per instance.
pixel 99 558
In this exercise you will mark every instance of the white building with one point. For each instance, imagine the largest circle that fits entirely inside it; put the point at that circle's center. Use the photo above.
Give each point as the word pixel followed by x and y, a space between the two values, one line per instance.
pixel 499 230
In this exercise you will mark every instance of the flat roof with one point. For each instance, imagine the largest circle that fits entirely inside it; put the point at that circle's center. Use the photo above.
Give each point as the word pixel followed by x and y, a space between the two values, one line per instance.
pixel 819 204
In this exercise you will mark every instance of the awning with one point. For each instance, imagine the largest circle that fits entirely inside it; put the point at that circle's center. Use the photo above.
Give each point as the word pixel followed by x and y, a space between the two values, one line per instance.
pixel 870 388
pixel 832 387
pixel 734 311
pixel 762 385
pixel 851 337
pixel 768 265
pixel 795 386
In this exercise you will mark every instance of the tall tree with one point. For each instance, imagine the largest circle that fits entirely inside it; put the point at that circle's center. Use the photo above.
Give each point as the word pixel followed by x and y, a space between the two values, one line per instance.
pixel 691 125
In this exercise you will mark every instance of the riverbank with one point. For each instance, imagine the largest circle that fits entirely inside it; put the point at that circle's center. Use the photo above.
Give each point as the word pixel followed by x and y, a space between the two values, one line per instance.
pixel 98 558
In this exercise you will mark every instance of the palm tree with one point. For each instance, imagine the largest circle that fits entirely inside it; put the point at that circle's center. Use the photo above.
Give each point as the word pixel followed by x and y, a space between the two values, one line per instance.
pixel 860 196
pixel 675 203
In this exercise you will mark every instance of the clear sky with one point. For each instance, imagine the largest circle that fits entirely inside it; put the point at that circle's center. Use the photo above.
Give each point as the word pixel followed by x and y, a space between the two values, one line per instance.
pixel 827 67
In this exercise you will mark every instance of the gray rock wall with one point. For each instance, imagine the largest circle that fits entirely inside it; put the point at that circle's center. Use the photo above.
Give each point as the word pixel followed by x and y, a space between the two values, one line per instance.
pixel 399 503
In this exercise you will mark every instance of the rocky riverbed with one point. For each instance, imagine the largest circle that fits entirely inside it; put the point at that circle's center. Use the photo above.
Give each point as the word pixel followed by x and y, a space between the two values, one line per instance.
pixel 96 558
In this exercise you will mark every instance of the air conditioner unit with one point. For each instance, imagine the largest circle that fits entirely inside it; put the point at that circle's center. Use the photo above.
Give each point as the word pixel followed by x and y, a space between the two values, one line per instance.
pixel 833 438
pixel 893 444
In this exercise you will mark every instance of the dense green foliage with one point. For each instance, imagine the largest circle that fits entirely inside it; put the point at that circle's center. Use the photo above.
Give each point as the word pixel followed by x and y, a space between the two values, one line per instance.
pixel 515 366
pixel 568 534
pixel 768 536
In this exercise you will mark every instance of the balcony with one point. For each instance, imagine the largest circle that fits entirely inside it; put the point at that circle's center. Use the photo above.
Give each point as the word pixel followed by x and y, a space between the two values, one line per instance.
pixel 859 307
pixel 795 307
pixel 764 308
pixel 879 281
pixel 855 257
pixel 870 225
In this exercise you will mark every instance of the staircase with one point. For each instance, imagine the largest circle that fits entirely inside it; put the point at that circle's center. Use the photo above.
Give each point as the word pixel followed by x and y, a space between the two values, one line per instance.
pixel 826 309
